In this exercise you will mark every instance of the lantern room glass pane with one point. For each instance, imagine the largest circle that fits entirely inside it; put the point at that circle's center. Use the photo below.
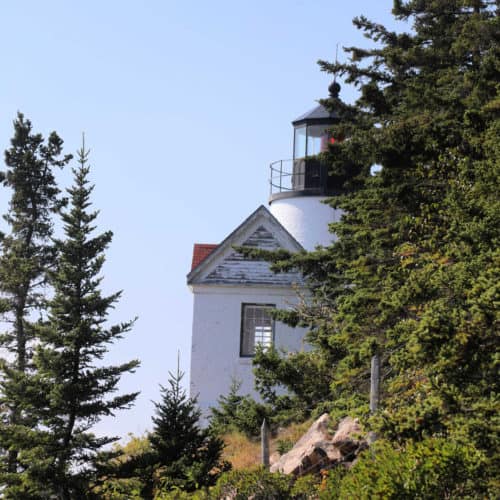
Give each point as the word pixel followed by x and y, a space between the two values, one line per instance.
pixel 317 139
pixel 300 142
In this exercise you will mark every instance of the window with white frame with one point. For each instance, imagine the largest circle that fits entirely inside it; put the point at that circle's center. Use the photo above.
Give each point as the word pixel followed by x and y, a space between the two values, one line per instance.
pixel 257 328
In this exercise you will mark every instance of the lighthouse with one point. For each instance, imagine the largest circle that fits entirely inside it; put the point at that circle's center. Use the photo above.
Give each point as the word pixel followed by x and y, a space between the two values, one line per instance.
pixel 234 295
pixel 300 186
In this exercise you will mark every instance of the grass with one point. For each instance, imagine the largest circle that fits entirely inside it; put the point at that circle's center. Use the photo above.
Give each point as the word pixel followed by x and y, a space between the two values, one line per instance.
pixel 244 452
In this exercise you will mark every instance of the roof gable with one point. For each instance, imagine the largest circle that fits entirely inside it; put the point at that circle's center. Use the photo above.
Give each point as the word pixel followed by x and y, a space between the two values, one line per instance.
pixel 262 238
pixel 226 266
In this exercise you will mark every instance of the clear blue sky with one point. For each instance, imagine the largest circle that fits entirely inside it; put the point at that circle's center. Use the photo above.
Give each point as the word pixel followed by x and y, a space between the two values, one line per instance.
pixel 184 104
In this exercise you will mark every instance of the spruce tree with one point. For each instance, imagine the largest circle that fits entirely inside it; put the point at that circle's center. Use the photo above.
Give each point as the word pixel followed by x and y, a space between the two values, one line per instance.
pixel 74 388
pixel 26 255
pixel 413 276
pixel 235 412
pixel 223 416
pixel 186 455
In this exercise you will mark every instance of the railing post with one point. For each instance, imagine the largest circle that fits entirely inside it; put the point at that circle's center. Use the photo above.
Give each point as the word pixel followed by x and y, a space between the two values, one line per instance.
pixel 271 179
pixel 264 443
pixel 281 173
pixel 322 175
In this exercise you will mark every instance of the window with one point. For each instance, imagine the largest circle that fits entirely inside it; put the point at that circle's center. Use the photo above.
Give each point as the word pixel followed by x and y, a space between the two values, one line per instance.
pixel 317 139
pixel 299 149
pixel 257 327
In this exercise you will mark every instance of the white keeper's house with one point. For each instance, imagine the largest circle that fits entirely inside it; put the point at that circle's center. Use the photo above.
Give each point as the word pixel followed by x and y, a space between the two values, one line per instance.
pixel 232 294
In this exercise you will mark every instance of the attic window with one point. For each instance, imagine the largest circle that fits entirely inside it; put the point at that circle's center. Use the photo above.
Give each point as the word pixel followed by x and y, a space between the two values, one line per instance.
pixel 257 328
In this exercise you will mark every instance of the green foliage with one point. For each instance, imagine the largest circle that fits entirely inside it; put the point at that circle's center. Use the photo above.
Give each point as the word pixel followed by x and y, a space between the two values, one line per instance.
pixel 433 468
pixel 183 495
pixel 173 461
pixel 70 389
pixel 264 485
pixel 414 273
pixel 120 489
pixel 284 446
pixel 224 415
pixel 126 474
pixel 306 488
pixel 185 456
pixel 26 254
pixel 259 485
pixel 237 412
pixel 306 376
pixel 331 482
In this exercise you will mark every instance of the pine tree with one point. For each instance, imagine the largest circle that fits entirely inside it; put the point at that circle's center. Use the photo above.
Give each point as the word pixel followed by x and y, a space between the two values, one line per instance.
pixel 414 273
pixel 236 412
pixel 73 388
pixel 26 255
pixel 186 455
pixel 223 416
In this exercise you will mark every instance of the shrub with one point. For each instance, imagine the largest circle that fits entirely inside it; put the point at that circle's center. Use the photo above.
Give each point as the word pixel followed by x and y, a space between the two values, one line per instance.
pixel 306 488
pixel 177 494
pixel 433 468
pixel 329 489
pixel 124 474
pixel 258 485
pixel 120 489
pixel 284 446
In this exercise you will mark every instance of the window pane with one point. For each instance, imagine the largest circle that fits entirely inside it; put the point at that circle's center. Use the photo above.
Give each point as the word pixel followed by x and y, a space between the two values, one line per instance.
pixel 317 139
pixel 300 142
pixel 257 328
pixel 263 336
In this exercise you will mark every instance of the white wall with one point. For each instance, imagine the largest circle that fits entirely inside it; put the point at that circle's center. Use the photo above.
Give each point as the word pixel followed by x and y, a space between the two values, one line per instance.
pixel 215 352
pixel 306 219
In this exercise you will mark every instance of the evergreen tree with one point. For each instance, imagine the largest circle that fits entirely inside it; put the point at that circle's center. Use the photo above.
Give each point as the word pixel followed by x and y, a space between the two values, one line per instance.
pixel 223 416
pixel 26 254
pixel 235 412
pixel 186 455
pixel 414 273
pixel 71 387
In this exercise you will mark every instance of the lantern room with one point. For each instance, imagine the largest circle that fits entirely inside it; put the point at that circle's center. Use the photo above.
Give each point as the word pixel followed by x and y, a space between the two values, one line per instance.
pixel 311 134
pixel 306 174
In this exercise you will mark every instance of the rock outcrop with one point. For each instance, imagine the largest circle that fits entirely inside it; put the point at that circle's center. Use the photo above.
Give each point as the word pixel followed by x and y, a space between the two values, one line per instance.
pixel 318 449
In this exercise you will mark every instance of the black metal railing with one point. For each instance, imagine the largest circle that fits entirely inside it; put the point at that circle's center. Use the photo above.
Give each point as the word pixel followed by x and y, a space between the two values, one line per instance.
pixel 281 176
pixel 302 174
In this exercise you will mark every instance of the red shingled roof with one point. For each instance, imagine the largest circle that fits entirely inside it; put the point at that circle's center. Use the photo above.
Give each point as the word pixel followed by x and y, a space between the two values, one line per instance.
pixel 200 252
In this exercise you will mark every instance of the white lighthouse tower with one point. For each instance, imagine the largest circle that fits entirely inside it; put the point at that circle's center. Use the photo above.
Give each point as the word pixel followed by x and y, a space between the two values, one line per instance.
pixel 300 186
pixel 234 295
